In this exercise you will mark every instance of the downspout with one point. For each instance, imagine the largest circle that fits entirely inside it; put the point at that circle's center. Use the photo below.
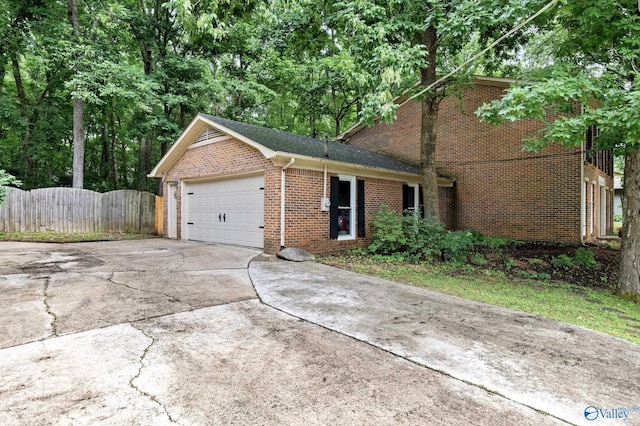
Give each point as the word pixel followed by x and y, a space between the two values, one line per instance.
pixel 583 201
pixel 282 198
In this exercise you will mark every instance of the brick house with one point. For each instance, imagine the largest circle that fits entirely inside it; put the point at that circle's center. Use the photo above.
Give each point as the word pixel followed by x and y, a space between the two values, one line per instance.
pixel 223 182
pixel 562 194
pixel 235 183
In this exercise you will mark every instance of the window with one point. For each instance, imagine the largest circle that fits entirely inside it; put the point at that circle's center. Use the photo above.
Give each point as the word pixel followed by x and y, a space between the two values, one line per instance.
pixel 410 197
pixel 343 210
pixel 346 207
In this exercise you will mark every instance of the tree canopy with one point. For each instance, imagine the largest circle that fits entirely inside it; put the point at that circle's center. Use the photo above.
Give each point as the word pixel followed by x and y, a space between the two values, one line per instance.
pixel 594 62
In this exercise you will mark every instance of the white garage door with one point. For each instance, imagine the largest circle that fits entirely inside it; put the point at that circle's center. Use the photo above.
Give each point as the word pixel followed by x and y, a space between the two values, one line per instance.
pixel 226 211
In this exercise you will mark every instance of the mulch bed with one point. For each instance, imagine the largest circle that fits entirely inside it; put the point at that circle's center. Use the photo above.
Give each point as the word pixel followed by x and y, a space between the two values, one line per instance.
pixel 535 259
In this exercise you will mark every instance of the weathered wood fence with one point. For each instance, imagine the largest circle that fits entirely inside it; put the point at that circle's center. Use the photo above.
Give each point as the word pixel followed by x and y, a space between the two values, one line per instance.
pixel 78 210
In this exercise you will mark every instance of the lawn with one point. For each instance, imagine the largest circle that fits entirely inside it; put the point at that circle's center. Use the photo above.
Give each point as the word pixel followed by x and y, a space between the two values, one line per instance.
pixel 594 308
pixel 60 237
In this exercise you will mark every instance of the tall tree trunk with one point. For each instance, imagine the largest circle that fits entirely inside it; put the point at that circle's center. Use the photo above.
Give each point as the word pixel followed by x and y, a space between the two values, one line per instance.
pixel 104 151
pixel 78 110
pixel 144 163
pixel 629 274
pixel 112 150
pixel 428 130
pixel 24 112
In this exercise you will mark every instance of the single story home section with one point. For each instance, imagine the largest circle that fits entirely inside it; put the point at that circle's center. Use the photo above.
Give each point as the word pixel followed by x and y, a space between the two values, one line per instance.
pixel 235 183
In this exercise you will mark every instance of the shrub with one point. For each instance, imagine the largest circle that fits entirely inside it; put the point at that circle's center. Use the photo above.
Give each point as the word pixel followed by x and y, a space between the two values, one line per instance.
pixel 456 245
pixel 408 236
pixel 478 259
pixel 387 233
pixel 562 261
pixel 535 261
pixel 422 236
pixel 585 257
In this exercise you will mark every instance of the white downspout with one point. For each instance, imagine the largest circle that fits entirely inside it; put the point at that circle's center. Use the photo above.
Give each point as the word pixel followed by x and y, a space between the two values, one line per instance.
pixel 583 200
pixel 282 198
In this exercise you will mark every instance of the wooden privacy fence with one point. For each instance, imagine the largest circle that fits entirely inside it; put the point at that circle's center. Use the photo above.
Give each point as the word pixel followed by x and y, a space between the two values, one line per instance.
pixel 78 210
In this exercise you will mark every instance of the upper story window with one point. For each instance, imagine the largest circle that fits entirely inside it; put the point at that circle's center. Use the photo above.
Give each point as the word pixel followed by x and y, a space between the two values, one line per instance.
pixel 602 159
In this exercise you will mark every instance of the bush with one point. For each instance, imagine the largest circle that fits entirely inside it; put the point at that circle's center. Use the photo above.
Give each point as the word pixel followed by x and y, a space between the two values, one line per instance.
pixel 405 235
pixel 562 261
pixel 456 245
pixel 585 257
pixel 415 239
pixel 478 259
pixel 387 233
pixel 422 237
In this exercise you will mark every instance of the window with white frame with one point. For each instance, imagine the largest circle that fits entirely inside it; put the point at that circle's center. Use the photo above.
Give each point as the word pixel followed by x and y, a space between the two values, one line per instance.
pixel 346 207
pixel 411 197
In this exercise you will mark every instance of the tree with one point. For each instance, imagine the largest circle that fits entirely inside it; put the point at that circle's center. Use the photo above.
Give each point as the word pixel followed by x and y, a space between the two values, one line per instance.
pixel 5 180
pixel 400 42
pixel 595 58
pixel 78 108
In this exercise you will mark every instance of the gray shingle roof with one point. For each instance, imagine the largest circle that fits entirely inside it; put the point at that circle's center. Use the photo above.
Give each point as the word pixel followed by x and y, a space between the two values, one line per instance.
pixel 301 145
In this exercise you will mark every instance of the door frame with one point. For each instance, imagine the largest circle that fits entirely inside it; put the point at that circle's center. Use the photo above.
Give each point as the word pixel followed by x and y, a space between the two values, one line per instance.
pixel 172 211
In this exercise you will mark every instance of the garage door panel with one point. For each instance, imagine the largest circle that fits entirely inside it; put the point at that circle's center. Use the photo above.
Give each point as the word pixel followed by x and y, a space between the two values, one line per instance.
pixel 226 211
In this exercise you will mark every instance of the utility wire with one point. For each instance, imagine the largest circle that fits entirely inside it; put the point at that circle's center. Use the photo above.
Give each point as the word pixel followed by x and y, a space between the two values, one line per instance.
pixel 491 46
pixel 532 157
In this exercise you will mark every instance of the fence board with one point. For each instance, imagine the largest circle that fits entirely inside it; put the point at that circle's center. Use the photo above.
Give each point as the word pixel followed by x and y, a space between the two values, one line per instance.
pixel 78 210
pixel 159 225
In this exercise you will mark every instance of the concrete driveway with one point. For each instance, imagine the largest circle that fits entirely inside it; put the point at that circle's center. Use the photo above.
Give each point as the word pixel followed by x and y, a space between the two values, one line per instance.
pixel 167 332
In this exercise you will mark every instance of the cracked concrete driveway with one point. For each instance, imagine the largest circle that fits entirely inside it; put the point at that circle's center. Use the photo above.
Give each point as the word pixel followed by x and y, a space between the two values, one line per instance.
pixel 159 332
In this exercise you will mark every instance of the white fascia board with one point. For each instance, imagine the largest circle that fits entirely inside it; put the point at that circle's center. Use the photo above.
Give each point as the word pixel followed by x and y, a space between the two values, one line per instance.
pixel 178 148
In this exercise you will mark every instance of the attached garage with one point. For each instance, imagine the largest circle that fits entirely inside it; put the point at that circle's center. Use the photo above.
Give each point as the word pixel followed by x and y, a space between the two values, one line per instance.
pixel 227 211
pixel 240 184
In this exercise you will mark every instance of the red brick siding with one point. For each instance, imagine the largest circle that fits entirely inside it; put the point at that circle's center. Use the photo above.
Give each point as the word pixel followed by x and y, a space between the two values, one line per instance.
pixel 306 226
pixel 500 190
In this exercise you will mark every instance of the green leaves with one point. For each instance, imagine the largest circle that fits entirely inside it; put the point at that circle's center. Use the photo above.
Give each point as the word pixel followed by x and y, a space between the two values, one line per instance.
pixel 5 180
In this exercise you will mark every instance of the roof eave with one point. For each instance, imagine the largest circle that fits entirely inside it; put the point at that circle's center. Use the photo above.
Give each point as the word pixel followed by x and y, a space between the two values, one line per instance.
pixel 334 166
pixel 197 125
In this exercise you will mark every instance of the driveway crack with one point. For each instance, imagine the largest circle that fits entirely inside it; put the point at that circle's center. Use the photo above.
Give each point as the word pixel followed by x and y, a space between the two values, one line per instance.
pixel 143 364
pixel 170 298
pixel 54 318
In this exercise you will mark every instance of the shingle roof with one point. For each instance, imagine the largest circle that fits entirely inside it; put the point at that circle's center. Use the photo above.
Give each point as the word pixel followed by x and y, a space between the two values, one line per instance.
pixel 301 145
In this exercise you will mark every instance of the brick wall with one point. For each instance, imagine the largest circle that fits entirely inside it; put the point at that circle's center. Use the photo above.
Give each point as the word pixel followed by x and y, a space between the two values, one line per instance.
pixel 500 190
pixel 306 226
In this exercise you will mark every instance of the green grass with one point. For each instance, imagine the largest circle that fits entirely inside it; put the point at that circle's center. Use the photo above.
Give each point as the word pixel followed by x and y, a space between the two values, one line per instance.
pixel 596 309
pixel 61 237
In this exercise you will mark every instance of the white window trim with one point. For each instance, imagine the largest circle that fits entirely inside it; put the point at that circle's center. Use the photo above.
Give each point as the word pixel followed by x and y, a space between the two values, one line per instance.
pixel 352 212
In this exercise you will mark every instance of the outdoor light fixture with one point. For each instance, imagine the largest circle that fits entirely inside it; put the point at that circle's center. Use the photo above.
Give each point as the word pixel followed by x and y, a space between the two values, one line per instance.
pixel 175 181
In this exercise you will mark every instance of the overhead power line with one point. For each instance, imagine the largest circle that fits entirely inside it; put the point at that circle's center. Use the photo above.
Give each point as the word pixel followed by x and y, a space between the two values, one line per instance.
pixel 491 46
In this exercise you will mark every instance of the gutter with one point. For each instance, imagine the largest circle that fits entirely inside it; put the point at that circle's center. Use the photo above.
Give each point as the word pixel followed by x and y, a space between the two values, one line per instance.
pixel 282 200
